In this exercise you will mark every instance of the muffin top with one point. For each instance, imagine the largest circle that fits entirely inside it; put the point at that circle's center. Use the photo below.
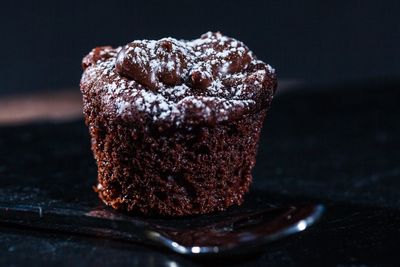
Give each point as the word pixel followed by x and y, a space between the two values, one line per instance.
pixel 207 80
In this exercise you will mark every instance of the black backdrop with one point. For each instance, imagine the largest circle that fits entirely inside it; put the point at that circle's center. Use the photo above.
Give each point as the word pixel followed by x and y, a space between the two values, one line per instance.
pixel 42 42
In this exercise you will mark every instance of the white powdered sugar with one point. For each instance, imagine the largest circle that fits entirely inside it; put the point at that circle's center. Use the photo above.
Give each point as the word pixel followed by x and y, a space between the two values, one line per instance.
pixel 233 77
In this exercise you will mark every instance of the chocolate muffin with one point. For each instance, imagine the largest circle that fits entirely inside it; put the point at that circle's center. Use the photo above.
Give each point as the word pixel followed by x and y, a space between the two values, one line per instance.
pixel 175 124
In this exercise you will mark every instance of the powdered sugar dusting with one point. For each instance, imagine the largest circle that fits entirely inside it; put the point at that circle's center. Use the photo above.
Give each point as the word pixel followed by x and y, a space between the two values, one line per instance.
pixel 209 78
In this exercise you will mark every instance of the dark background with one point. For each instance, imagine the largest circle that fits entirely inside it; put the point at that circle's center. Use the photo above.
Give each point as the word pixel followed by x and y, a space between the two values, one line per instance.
pixel 316 42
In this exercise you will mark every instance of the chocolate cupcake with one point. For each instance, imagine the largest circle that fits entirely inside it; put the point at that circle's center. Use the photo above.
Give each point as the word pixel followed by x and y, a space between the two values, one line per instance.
pixel 175 124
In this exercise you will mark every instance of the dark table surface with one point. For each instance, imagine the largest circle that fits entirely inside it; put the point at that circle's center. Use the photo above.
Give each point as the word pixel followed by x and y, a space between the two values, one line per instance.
pixel 337 146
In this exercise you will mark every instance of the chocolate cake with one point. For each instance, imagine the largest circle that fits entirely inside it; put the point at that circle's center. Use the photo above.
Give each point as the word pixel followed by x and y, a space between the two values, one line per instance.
pixel 175 124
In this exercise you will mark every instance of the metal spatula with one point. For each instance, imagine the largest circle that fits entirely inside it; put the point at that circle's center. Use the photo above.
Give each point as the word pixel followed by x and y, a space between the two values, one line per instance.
pixel 239 233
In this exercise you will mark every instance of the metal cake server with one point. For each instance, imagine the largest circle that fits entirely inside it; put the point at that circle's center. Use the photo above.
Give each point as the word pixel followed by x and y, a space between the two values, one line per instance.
pixel 239 233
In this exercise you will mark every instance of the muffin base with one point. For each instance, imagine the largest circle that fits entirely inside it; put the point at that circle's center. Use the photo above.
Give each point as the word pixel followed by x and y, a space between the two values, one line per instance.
pixel 174 172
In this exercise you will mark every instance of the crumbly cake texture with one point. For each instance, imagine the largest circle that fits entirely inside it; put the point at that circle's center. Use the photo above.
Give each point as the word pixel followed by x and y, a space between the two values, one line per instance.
pixel 175 124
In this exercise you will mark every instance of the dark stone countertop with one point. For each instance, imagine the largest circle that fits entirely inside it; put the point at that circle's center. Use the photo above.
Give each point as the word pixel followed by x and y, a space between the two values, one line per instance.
pixel 340 147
